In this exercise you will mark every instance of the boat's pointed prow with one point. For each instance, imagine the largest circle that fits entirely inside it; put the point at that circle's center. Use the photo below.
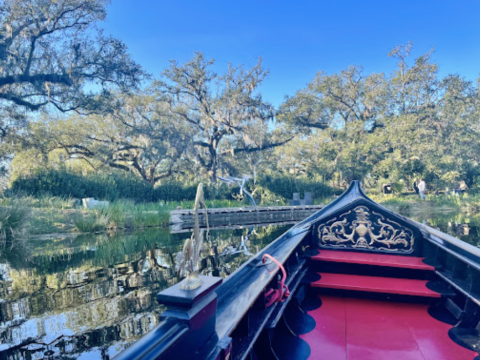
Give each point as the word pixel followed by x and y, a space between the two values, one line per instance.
pixel 355 222
pixel 356 186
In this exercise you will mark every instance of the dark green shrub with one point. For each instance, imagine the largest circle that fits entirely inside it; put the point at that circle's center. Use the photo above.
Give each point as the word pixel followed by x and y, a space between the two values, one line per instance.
pixel 100 186
pixel 285 186
pixel 14 222
pixel 128 186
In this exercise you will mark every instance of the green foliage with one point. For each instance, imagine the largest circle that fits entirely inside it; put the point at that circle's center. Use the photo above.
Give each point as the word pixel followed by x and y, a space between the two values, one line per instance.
pixel 285 186
pixel 65 184
pixel 397 187
pixel 14 222
pixel 378 128
pixel 58 188
pixel 61 186
pixel 50 55
pixel 91 223
pixel 192 123
pixel 124 214
pixel 42 200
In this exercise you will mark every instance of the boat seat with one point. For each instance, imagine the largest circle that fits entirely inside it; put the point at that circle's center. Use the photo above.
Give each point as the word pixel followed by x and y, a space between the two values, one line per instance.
pixel 398 261
pixel 375 284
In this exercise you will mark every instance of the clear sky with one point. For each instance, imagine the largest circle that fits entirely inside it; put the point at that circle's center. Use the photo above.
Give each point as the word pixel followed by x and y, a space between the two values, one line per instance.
pixel 296 39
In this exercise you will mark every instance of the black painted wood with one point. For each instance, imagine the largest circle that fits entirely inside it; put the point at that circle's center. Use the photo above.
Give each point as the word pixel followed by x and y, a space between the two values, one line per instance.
pixel 175 296
pixel 296 279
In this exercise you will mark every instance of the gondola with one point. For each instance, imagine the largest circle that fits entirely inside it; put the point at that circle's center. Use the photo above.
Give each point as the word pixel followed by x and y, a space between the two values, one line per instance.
pixel 353 281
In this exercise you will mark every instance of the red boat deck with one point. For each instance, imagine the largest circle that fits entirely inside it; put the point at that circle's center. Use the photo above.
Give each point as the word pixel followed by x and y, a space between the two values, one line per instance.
pixel 375 284
pixel 362 329
pixel 408 262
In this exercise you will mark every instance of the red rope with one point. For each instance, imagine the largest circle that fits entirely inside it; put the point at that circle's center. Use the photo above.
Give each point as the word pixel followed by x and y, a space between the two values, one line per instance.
pixel 277 295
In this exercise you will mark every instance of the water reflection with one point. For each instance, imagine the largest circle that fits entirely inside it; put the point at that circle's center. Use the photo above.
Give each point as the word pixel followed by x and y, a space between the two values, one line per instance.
pixel 89 297
pixel 463 226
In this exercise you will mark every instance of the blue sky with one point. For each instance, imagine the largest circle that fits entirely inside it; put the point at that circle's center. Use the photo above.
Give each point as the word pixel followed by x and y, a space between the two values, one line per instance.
pixel 297 39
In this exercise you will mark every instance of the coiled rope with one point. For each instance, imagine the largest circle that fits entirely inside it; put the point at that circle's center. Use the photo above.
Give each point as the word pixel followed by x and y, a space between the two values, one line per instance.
pixel 281 293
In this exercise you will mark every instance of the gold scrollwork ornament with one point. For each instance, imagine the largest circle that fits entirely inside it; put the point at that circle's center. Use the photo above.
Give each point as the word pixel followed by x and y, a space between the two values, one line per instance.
pixel 366 232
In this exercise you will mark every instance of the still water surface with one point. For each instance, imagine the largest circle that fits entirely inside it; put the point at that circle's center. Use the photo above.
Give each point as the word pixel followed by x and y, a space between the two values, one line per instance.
pixel 89 297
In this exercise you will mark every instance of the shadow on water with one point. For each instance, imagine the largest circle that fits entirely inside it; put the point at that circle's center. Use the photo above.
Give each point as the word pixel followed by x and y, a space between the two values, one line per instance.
pixel 89 297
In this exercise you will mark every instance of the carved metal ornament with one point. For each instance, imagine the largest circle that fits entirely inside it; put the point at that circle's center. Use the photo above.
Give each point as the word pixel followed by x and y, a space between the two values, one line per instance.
pixel 364 229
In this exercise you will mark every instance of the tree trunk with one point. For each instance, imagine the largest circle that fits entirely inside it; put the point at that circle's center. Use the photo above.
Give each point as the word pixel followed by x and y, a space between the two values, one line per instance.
pixel 212 171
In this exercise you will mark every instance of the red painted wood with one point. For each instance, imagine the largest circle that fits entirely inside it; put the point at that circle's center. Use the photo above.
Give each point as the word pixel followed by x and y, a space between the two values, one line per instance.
pixel 431 335
pixel 375 284
pixel 375 331
pixel 409 262
pixel 328 339
pixel 363 329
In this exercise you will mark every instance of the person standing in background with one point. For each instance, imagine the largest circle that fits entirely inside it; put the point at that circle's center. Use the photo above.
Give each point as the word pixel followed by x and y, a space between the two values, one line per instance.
pixel 421 189
pixel 415 186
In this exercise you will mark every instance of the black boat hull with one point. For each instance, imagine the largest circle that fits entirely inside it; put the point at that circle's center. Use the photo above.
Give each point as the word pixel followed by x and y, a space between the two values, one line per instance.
pixel 231 320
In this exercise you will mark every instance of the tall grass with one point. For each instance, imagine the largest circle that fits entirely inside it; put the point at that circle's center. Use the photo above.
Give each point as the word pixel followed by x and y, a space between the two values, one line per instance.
pixel 43 200
pixel 124 214
pixel 119 185
pixel 14 222
pixel 92 223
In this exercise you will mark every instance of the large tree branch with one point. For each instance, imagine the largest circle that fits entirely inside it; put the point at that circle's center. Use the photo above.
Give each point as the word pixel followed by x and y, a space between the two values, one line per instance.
pixel 342 101
pixel 163 176
pixel 254 149
pixel 30 56
pixel 120 166
pixel 87 160
pixel 76 150
pixel 201 160
pixel 201 143
pixel 307 122
pixel 38 78
pixel 19 101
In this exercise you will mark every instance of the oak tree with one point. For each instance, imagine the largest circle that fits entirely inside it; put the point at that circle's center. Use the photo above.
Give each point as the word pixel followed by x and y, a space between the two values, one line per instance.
pixel 53 53
pixel 226 113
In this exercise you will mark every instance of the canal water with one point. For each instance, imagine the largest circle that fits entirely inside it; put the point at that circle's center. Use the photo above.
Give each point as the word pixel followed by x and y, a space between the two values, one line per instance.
pixel 89 297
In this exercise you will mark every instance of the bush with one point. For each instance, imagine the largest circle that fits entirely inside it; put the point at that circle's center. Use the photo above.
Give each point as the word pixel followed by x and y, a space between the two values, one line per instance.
pixel 285 186
pixel 92 223
pixel 405 208
pixel 14 222
pixel 109 187
pixel 74 185
pixel 42 200
pixel 397 187
pixel 115 186
pixel 124 215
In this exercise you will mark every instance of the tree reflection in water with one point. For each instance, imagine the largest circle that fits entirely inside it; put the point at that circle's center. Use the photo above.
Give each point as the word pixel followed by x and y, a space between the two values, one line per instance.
pixel 463 226
pixel 91 296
